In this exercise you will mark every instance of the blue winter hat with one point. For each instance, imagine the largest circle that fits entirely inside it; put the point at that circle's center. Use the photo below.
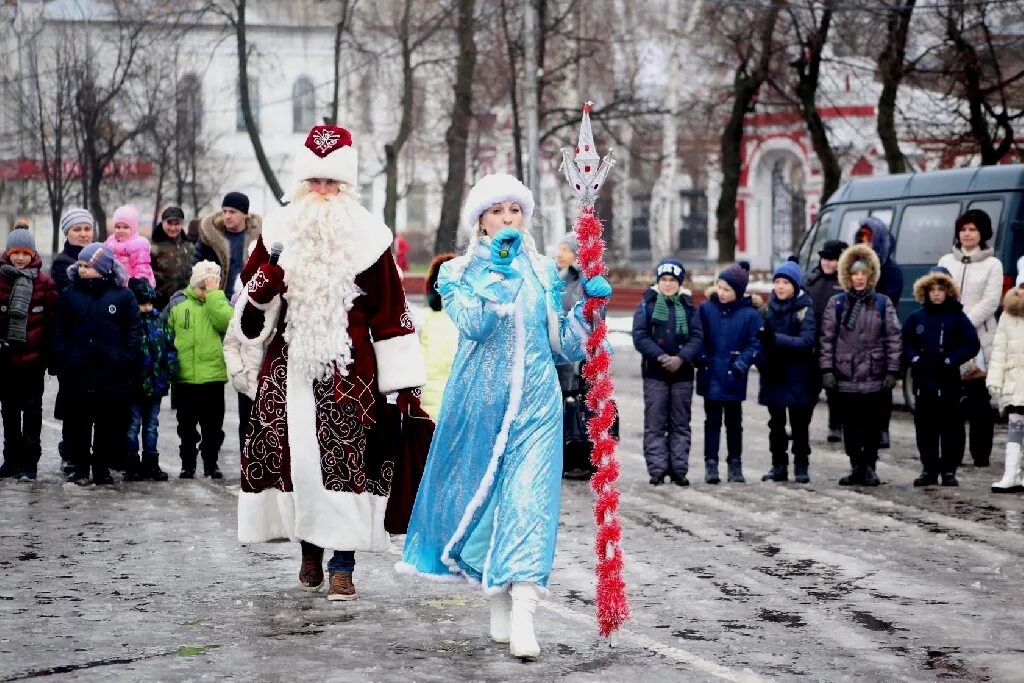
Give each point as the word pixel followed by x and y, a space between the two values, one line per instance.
pixel 791 272
pixel 99 257
pixel 940 269
pixel 737 277
pixel 670 266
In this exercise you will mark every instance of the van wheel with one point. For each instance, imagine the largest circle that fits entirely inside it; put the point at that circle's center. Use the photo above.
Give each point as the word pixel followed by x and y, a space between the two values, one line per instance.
pixel 908 392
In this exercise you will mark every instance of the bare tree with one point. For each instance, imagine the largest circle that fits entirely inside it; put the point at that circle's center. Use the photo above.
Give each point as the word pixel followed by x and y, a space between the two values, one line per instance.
pixel 892 65
pixel 343 25
pixel 751 35
pixel 457 135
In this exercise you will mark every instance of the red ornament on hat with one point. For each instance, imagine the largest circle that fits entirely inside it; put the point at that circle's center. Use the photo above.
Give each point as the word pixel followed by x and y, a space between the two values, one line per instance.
pixel 322 140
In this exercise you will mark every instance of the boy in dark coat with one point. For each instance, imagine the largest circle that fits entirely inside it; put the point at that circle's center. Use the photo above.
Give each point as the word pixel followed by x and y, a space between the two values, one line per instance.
pixel 860 358
pixel 821 285
pixel 937 339
pixel 159 366
pixel 789 372
pixel 730 324
pixel 27 300
pixel 667 333
pixel 97 336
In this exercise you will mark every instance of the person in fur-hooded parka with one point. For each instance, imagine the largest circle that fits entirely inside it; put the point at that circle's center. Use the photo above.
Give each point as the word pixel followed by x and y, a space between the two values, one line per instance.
pixel 1005 381
pixel 860 357
pixel 937 339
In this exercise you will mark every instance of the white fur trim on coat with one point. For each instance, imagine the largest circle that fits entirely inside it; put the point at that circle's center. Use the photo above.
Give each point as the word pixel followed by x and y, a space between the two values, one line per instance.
pixel 271 312
pixel 399 363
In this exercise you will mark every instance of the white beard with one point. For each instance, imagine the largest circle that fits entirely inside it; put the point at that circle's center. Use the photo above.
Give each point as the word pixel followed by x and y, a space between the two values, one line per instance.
pixel 321 286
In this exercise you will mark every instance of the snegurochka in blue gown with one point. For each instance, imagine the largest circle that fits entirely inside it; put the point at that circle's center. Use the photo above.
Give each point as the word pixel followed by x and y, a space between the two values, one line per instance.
pixel 487 506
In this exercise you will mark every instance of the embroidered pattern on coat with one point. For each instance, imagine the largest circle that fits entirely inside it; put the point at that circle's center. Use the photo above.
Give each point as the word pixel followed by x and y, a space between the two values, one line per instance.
pixel 266 436
pixel 347 460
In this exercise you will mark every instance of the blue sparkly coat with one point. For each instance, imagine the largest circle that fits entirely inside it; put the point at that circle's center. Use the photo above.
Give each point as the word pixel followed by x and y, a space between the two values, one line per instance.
pixel 487 507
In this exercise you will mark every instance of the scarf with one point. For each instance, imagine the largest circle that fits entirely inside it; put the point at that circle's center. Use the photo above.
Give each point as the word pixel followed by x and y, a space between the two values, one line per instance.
pixel 661 312
pixel 22 280
pixel 857 299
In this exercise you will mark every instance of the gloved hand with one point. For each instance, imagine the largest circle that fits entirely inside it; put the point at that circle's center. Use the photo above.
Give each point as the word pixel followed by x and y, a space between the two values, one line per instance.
pixel 672 363
pixel 408 402
pixel 889 383
pixel 828 380
pixel 505 246
pixel 597 287
pixel 700 362
pixel 738 368
pixel 766 335
pixel 267 283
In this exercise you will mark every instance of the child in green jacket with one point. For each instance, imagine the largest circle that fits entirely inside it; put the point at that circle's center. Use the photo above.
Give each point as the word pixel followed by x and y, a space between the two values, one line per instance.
pixel 198 317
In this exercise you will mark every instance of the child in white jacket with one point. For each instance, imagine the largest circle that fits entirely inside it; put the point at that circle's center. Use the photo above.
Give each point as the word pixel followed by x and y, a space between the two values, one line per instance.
pixel 1005 381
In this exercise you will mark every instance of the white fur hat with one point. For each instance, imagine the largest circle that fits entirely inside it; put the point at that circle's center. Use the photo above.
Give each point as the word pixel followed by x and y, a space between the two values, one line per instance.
pixel 494 189
pixel 203 270
pixel 328 153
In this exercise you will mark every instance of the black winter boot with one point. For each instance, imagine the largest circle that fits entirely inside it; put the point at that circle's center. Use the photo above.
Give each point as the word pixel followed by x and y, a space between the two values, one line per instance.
pixel 927 479
pixel 854 478
pixel 776 473
pixel 711 472
pixel 801 475
pixel 133 468
pixel 949 479
pixel 736 473
pixel 8 469
pixel 151 467
pixel 871 477
pixel 211 470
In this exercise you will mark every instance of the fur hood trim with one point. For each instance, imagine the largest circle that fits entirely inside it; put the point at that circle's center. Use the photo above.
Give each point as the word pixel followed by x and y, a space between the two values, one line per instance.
pixel 212 226
pixel 859 252
pixel 925 282
pixel 1013 302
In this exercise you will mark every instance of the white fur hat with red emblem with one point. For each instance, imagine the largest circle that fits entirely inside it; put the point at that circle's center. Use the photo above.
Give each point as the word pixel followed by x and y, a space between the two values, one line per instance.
pixel 328 153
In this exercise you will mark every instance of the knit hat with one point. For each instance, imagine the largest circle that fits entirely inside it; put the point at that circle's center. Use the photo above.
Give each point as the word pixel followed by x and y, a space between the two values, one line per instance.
pixel 860 265
pixel 833 249
pixel 235 200
pixel 201 271
pixel 737 277
pixel 143 291
pixel 99 257
pixel 493 189
pixel 571 243
pixel 791 271
pixel 670 266
pixel 940 269
pixel 328 153
pixel 128 215
pixel 21 239
pixel 75 216
pixel 172 212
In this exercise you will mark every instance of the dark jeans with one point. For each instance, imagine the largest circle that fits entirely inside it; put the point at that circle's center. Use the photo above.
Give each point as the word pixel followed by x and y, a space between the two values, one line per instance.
pixel 885 414
pixel 862 419
pixel 21 404
pixel 95 425
pixel 667 427
pixel 145 422
pixel 341 561
pixel 975 406
pixel 200 405
pixel 713 414
pixel 835 418
pixel 938 425
pixel 778 442
pixel 244 412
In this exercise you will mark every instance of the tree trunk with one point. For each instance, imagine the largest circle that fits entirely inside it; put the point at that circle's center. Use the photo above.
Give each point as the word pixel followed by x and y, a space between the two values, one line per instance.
pixel 891 67
pixel 513 93
pixel 807 91
pixel 393 150
pixel 457 135
pixel 347 6
pixel 243 94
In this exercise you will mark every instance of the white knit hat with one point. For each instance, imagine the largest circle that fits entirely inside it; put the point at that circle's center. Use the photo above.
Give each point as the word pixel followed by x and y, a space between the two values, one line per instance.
pixel 494 189
pixel 328 153
pixel 203 270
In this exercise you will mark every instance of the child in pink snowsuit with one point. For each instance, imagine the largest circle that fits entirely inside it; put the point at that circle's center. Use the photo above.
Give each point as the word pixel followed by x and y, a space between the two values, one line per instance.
pixel 129 247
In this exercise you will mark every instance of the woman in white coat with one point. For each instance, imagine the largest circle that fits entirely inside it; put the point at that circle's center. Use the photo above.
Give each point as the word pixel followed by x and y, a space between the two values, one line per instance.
pixel 979 275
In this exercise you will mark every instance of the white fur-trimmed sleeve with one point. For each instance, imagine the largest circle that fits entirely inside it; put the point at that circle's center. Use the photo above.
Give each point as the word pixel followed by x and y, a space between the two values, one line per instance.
pixel 271 311
pixel 399 363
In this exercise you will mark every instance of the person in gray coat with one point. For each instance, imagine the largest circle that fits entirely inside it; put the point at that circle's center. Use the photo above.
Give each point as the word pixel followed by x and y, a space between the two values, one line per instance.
pixel 667 332
pixel 860 358
pixel 576 452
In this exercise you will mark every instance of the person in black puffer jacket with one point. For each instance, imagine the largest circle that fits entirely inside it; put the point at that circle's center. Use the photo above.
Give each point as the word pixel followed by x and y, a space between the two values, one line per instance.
pixel 821 285
pixel 96 340
pixel 937 339
pixel 668 334
pixel 789 372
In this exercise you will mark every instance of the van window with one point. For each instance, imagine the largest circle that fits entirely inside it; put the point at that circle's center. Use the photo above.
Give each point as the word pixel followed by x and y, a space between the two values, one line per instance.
pixel 926 232
pixel 820 233
pixel 994 209
pixel 851 221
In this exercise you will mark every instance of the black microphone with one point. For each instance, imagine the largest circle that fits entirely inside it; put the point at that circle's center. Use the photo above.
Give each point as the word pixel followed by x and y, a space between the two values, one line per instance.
pixel 275 252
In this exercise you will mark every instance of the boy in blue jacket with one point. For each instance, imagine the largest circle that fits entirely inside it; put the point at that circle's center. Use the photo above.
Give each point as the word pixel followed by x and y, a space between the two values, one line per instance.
pixel 937 339
pixel 668 335
pixel 730 324
pixel 789 372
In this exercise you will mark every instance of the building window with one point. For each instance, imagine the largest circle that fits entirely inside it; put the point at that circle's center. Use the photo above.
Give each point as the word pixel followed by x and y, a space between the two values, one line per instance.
pixel 303 105
pixel 188 105
pixel 254 103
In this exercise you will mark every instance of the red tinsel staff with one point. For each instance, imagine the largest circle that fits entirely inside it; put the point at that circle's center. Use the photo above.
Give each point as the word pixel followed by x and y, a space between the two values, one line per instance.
pixel 586 173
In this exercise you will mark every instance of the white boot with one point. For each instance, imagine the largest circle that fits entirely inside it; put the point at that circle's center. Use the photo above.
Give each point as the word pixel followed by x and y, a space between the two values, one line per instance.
pixel 522 641
pixel 501 612
pixel 1011 481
